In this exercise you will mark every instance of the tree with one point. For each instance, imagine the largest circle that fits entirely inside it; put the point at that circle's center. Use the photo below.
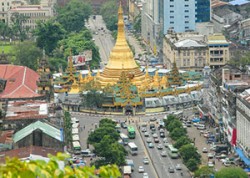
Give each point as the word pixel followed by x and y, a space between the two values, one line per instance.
pixel 111 150
pixel 19 30
pixel 137 23
pixel 174 124
pixel 93 99
pixel 189 151
pixel 48 34
pixel 73 15
pixel 105 121
pixel 169 119
pixel 5 30
pixel 231 172
pixel 36 168
pixel 177 133
pixel 184 140
pixel 204 171
pixel 99 133
pixel 109 13
pixel 67 128
pixel 27 54
pixel 34 2
pixel 192 164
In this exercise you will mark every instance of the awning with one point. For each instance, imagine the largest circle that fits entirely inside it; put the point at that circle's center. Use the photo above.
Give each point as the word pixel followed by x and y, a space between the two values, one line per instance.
pixel 242 156
pixel 234 137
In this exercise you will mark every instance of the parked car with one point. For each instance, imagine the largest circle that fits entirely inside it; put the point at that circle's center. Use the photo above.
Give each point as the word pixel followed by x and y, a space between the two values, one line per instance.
pixel 146 134
pixel 152 119
pixel 210 155
pixel 162 135
pixel 155 135
pixel 149 140
pixel 144 129
pixel 159 147
pixel 151 145
pixel 170 169
pixel 163 153
pixel 210 164
pixel 145 175
pixel 204 150
pixel 140 169
pixel 123 125
pixel 196 119
pixel 156 140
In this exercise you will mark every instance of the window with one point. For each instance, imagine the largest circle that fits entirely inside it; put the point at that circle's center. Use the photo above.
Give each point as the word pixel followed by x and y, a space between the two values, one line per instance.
pixel 186 21
pixel 186 27
pixel 171 0
pixel 171 17
pixel 171 22
pixel 171 11
pixel 186 10
pixel 186 16
pixel 186 5
pixel 186 0
pixel 171 5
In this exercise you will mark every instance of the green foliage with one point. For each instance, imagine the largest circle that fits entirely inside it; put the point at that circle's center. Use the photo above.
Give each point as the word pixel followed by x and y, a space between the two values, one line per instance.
pixel 174 124
pixel 5 30
pixel 204 171
pixel 169 119
pixel 18 30
pixel 67 128
pixel 79 42
pixel 231 172
pixel 93 99
pixel 240 59
pixel 48 34
pixel 109 13
pixel 192 164
pixel 177 133
pixel 184 140
pixel 15 168
pixel 34 2
pixel 111 150
pixel 106 121
pixel 137 23
pixel 73 15
pixel 99 133
pixel 189 152
pixel 27 54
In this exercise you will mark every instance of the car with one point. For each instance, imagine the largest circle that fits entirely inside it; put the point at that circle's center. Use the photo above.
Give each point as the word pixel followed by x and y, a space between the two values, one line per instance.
pixel 156 140
pixel 124 125
pixel 204 150
pixel 210 155
pixel 144 129
pixel 178 167
pixel 146 134
pixel 140 169
pixel 184 126
pixel 144 124
pixel 151 145
pixel 152 119
pixel 163 153
pixel 149 140
pixel 213 148
pixel 201 127
pixel 162 134
pixel 165 140
pixel 96 33
pixel 145 160
pixel 170 169
pixel 194 120
pixel 145 175
pixel 227 164
pixel 210 164
pixel 159 147
pixel 155 135
pixel 151 126
pixel 166 144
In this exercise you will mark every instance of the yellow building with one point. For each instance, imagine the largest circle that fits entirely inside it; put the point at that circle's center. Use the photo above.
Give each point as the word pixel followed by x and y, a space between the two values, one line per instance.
pixel 218 50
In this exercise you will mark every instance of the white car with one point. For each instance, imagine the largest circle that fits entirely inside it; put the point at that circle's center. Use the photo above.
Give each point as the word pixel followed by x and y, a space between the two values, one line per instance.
pixel 140 169
pixel 145 160
pixel 210 164
pixel 178 167
pixel 163 153
pixel 146 134
pixel 159 147
pixel 204 150
pixel 165 140
pixel 149 140
pixel 155 135
pixel 145 175
pixel 210 155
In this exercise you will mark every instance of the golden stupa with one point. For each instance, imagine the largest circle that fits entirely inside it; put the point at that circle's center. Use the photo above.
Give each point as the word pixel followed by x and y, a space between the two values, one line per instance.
pixel 121 59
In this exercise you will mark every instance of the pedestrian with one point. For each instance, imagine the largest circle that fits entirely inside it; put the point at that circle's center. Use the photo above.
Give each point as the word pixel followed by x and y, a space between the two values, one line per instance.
pixel 84 127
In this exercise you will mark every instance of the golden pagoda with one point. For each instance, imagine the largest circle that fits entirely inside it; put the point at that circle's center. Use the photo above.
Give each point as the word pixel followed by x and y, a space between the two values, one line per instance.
pixel 121 59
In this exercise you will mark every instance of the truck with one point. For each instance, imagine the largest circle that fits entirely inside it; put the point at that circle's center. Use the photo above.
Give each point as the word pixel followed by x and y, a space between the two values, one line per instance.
pixel 130 162
pixel 221 148
pixel 127 170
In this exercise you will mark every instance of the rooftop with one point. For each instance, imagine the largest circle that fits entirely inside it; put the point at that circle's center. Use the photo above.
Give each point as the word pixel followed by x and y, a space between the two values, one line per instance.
pixel 27 109
pixel 189 43
pixel 239 2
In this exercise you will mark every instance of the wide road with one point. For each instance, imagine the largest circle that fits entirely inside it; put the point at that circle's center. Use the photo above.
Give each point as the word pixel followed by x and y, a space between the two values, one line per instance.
pixel 102 37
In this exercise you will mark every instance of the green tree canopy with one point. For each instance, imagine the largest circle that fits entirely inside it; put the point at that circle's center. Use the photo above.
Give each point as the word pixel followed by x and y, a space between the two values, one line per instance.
pixel 48 34
pixel 177 133
pixel 182 141
pixel 17 21
pixel 204 171
pixel 174 124
pixel 169 119
pixel 99 133
pixel 111 150
pixel 15 168
pixel 105 121
pixel 192 164
pixel 231 172
pixel 189 151
pixel 73 15
pixel 109 12
pixel 93 99
pixel 137 23
pixel 27 54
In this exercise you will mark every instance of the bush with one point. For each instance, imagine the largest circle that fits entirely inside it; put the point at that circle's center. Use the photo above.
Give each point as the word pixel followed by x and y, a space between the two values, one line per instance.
pixel 192 164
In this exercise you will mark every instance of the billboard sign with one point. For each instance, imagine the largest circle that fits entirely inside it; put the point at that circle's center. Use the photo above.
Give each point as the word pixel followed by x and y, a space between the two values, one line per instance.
pixel 82 58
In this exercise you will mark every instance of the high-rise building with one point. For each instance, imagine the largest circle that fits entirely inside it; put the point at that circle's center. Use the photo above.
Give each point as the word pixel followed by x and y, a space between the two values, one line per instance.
pixel 202 11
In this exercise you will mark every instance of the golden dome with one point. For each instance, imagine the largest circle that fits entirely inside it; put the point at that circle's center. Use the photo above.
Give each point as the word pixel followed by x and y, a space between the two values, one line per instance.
pixel 121 59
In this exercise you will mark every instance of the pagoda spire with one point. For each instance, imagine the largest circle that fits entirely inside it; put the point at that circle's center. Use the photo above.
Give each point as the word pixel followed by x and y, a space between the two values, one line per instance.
pixel 71 69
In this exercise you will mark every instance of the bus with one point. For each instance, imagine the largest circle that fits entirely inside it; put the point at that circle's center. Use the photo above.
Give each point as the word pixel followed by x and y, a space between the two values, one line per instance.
pixel 132 148
pixel 124 138
pixel 173 152
pixel 131 132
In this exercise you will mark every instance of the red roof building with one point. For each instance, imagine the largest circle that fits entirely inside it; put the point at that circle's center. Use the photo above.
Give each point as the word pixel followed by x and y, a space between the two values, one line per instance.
pixel 20 82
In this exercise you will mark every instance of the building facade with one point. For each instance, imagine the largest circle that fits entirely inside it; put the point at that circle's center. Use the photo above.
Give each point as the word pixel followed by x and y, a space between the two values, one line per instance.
pixel 218 50
pixel 189 50
pixel 203 11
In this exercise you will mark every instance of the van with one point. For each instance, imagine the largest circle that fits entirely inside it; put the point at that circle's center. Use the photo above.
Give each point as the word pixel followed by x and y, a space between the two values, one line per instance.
pixel 201 127
pixel 87 153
